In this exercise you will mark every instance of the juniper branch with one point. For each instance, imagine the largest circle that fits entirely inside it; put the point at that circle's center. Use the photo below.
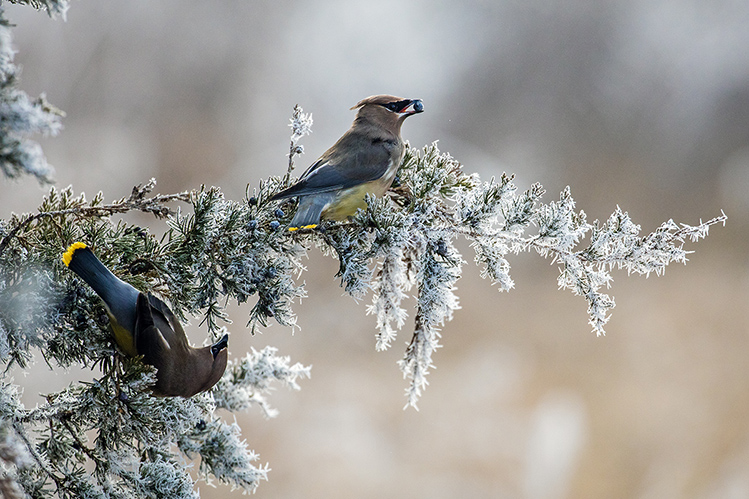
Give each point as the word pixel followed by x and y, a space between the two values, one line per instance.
pixel 227 249
pixel 137 201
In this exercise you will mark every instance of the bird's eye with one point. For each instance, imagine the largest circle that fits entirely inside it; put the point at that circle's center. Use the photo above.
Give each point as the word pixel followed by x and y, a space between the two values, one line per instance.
pixel 397 106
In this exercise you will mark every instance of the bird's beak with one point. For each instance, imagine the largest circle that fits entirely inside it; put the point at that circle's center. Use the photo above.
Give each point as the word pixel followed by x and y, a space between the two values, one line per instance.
pixel 220 345
pixel 414 107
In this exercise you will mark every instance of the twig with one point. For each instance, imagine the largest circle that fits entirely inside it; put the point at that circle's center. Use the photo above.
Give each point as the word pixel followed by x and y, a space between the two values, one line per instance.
pixel 301 124
pixel 80 444
pixel 22 435
pixel 136 201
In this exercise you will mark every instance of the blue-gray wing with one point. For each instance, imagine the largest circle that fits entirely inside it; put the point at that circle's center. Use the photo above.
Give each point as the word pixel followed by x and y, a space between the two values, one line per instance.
pixel 353 160
pixel 149 342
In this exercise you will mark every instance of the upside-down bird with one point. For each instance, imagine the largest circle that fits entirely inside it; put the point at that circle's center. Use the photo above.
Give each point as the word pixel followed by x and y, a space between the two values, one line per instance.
pixel 144 325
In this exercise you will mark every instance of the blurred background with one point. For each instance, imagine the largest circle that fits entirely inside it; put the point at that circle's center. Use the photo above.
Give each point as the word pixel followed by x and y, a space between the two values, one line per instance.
pixel 643 103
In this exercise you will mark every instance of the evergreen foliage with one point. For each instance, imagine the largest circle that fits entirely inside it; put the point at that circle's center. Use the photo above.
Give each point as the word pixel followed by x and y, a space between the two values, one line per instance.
pixel 217 250
pixel 20 116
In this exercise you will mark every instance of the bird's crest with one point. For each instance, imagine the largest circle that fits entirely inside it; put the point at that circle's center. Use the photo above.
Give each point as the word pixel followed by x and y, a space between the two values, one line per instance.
pixel 377 99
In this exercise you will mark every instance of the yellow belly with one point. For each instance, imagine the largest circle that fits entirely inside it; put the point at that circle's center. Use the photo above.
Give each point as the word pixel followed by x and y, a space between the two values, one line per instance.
pixel 123 337
pixel 349 200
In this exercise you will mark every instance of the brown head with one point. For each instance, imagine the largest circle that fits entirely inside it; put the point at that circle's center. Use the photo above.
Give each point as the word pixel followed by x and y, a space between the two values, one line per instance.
pixel 186 371
pixel 219 354
pixel 386 111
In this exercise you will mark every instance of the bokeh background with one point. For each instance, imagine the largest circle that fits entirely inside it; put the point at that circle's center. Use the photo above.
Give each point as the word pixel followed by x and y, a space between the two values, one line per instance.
pixel 641 103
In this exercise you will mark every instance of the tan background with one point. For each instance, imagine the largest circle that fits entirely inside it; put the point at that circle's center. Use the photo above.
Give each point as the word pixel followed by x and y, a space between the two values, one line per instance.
pixel 644 104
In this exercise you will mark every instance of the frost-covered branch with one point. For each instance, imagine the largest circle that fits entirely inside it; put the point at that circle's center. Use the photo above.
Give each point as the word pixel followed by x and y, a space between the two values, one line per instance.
pixel 406 240
pixel 53 7
pixel 20 116
pixel 248 381
pixel 301 125
pixel 220 249
pixel 215 250
pixel 78 207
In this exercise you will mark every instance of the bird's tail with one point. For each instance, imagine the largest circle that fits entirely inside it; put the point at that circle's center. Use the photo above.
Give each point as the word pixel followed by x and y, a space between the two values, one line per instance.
pixel 119 296
pixel 310 208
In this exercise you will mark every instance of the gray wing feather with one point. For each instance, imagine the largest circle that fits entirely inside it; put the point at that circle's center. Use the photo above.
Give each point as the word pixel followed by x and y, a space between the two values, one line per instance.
pixel 353 160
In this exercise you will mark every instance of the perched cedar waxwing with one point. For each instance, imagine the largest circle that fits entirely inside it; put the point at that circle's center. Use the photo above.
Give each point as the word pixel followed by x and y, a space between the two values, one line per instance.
pixel 363 161
pixel 143 325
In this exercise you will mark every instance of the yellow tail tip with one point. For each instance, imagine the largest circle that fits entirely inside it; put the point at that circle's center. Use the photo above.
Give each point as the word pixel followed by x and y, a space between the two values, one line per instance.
pixel 310 226
pixel 68 255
